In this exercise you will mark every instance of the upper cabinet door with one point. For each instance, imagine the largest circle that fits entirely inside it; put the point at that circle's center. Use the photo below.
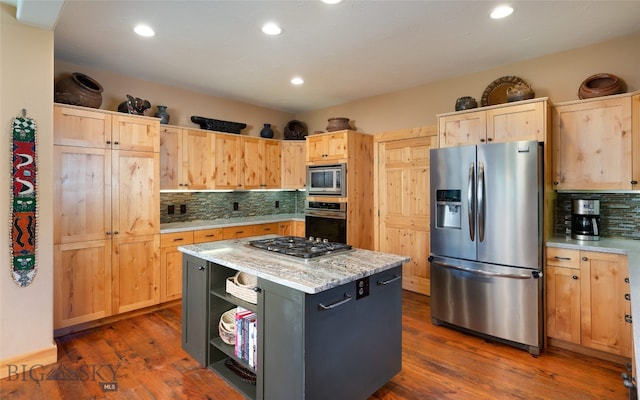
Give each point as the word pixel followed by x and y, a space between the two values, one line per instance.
pixel 171 160
pixel 518 122
pixel 462 129
pixel 227 152
pixel 136 133
pixel 328 147
pixel 294 172
pixel 592 145
pixel 81 127
pixel 197 160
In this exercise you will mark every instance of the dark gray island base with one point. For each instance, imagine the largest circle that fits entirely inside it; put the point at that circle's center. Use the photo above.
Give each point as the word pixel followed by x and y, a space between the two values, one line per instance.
pixel 318 336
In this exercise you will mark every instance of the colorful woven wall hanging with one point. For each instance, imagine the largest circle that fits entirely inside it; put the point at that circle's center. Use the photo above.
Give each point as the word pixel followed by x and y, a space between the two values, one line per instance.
pixel 24 209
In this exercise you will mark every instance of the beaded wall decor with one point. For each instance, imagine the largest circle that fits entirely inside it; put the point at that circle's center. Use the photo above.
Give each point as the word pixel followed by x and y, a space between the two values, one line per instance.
pixel 24 209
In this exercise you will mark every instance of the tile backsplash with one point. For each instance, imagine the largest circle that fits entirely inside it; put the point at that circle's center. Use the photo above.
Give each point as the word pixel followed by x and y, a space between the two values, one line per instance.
pixel 213 205
pixel 619 213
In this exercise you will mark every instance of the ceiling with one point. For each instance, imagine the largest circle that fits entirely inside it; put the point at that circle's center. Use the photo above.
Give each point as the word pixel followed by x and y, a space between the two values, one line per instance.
pixel 344 52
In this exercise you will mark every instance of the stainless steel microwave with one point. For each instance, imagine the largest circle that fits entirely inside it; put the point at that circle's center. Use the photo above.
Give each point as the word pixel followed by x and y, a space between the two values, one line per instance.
pixel 327 180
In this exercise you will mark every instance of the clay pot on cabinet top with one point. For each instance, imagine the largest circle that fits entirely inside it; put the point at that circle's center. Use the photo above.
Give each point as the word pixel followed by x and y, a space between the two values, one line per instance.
pixel 338 124
pixel 519 91
pixel 600 85
pixel 466 103
pixel 80 90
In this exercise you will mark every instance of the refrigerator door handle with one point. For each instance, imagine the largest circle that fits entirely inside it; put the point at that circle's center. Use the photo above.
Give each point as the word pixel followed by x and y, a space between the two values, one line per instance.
pixel 486 273
pixel 471 202
pixel 481 203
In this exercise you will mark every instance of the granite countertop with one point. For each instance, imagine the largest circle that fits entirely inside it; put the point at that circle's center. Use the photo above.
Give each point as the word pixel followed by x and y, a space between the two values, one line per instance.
pixel 629 247
pixel 310 276
pixel 173 227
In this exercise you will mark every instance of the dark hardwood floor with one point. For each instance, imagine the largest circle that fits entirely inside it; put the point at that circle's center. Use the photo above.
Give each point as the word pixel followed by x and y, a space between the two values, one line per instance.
pixel 143 356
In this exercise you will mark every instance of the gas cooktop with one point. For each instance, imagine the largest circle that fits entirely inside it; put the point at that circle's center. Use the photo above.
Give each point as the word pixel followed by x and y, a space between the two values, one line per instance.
pixel 299 246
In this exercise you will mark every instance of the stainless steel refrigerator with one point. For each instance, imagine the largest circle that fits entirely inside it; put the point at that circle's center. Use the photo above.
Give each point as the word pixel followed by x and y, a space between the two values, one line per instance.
pixel 486 241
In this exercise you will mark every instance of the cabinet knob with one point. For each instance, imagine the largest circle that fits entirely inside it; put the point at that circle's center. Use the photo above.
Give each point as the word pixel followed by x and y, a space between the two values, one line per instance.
pixel 108 141
pixel 628 319
pixel 115 232
pixel 575 277
pixel 200 267
pixel 626 280
pixel 627 296
pixel 107 233
pixel 482 140
pixel 489 139
pixel 116 143
pixel 585 259
pixel 634 182
pixel 556 183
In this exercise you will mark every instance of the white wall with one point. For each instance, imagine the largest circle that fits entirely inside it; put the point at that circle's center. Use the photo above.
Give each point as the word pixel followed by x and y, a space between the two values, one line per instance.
pixel 26 82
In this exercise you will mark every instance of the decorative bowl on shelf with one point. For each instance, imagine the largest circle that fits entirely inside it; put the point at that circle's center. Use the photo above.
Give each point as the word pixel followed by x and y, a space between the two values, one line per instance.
pixel 295 130
pixel 466 103
pixel 338 124
pixel 600 85
pixel 519 91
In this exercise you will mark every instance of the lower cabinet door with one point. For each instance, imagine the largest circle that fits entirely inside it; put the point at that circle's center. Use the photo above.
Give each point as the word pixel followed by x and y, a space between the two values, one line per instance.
pixel 82 282
pixel 136 272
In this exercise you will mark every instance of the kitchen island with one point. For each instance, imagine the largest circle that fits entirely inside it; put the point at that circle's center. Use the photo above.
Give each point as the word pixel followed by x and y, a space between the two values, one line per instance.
pixel 328 327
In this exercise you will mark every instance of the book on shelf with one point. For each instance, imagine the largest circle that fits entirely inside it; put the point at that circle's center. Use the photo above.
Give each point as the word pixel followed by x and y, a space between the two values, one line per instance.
pixel 246 336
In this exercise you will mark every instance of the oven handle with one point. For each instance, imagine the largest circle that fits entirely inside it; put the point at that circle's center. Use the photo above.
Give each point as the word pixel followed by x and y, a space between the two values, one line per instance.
pixel 326 214
pixel 533 275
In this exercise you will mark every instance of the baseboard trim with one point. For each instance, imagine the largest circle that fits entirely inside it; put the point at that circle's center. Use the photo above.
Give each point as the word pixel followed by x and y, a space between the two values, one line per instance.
pixel 113 318
pixel 28 361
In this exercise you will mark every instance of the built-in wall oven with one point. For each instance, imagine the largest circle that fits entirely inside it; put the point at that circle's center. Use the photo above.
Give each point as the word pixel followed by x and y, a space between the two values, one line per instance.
pixel 326 220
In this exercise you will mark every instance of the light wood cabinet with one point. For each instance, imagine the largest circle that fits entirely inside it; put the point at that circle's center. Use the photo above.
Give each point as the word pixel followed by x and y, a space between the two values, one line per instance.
pixel 293 169
pixel 82 276
pixel 299 228
pixel 328 148
pixel 355 149
pixel 186 159
pixel 172 172
pixel 260 160
pixel 227 150
pixel 207 235
pixel 594 144
pixel 587 302
pixel 286 228
pixel 135 272
pixel 106 213
pixel 523 120
pixel 171 263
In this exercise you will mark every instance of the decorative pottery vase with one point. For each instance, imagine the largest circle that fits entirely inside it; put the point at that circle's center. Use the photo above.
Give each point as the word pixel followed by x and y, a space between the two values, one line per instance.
pixel 519 91
pixel 266 132
pixel 466 103
pixel 338 124
pixel 162 114
pixel 600 85
pixel 80 90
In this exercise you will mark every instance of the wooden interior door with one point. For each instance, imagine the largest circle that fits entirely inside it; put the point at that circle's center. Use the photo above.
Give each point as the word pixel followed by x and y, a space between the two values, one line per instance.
pixel 403 204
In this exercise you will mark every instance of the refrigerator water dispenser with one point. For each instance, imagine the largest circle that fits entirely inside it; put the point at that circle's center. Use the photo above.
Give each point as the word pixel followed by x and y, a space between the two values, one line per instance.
pixel 448 209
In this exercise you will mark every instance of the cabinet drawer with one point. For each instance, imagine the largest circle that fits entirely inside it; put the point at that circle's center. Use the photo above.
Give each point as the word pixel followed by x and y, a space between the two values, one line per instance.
pixel 207 235
pixel 266 229
pixel 563 257
pixel 176 239
pixel 234 232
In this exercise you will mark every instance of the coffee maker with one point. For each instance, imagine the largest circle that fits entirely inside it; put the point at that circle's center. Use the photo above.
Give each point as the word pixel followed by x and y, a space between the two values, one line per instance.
pixel 585 219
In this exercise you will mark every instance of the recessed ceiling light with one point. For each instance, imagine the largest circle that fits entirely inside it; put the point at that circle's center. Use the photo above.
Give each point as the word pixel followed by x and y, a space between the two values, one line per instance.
pixel 144 30
pixel 271 28
pixel 297 80
pixel 501 12
pixel 331 1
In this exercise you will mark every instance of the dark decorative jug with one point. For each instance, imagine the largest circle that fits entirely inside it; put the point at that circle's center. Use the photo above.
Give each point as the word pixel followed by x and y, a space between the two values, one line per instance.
pixel 267 132
pixel 162 114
